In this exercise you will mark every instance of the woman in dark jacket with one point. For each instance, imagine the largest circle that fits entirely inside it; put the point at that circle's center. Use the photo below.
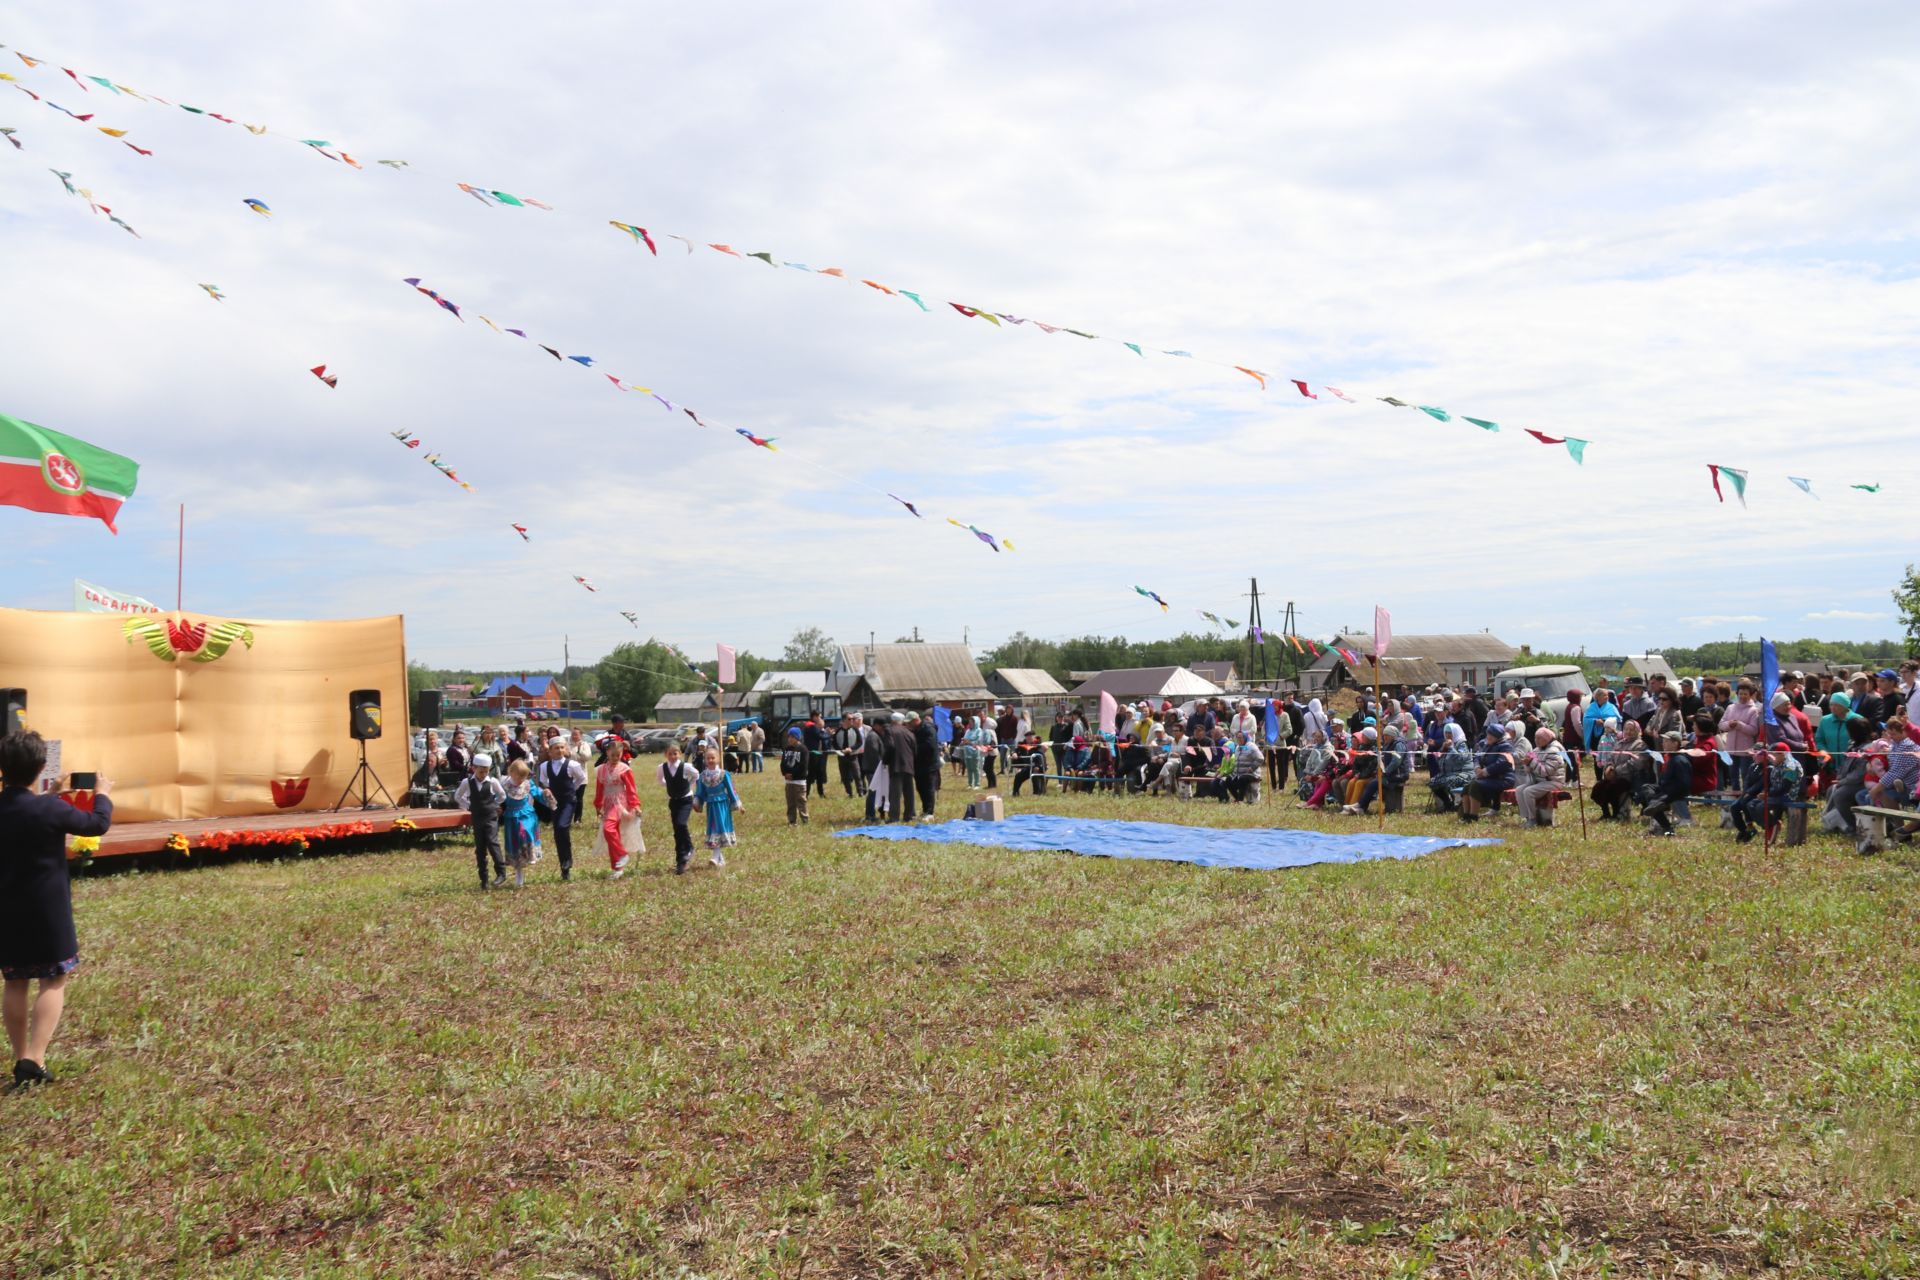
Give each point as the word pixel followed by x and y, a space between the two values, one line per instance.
pixel 37 941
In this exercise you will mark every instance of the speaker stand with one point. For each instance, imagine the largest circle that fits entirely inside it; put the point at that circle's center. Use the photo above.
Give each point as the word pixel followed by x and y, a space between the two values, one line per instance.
pixel 361 776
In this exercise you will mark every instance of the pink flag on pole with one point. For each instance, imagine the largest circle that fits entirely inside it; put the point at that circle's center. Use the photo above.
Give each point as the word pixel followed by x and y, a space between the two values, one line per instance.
pixel 1109 712
pixel 1382 631
pixel 726 655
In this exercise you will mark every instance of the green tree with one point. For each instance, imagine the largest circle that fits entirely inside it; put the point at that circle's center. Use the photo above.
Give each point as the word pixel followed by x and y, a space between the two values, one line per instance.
pixel 1906 598
pixel 810 648
pixel 633 678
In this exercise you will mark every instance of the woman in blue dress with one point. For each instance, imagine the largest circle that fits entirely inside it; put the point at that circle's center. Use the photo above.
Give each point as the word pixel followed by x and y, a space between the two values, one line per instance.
pixel 715 794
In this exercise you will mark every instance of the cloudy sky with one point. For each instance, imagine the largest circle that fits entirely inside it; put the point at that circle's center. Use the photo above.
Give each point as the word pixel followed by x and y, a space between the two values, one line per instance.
pixel 1683 232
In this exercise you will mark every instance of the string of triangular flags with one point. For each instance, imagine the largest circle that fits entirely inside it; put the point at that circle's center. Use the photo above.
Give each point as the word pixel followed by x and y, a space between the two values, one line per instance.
pixel 642 235
pixel 762 442
pixel 1260 634
pixel 1736 479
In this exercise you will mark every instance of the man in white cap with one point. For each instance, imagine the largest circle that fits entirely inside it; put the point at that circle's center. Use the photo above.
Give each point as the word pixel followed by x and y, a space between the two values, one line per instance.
pixel 482 795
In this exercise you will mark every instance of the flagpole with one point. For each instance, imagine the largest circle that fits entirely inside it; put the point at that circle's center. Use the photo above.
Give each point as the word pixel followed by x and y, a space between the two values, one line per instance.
pixel 180 564
pixel 1379 735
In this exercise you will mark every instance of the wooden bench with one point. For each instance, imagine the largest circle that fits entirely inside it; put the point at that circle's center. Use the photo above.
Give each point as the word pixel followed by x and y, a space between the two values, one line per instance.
pixel 1870 826
pixel 1511 796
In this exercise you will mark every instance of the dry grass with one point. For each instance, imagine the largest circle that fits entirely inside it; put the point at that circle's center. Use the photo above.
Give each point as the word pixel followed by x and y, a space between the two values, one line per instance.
pixel 849 1058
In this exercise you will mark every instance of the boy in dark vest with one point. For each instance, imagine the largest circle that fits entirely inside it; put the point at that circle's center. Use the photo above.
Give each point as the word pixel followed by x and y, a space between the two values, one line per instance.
pixel 482 795
pixel 796 768
pixel 678 777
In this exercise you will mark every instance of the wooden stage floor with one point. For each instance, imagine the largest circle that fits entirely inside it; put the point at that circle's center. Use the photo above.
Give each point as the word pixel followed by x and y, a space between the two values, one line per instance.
pixel 151 837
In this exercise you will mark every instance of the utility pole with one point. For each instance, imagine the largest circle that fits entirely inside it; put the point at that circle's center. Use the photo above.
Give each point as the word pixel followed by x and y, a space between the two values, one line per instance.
pixel 566 664
pixel 1256 634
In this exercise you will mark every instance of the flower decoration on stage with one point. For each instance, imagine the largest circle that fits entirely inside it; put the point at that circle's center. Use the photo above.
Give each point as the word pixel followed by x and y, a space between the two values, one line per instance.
pixel 404 823
pixel 289 793
pixel 299 838
pixel 169 639
pixel 178 844
pixel 85 846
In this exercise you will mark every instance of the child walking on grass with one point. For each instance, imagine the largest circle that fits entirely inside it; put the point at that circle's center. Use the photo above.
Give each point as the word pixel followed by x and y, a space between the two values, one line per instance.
pixel 519 822
pixel 793 767
pixel 715 794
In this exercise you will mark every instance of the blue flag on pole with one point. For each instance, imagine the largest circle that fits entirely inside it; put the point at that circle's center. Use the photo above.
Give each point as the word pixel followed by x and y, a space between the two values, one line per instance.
pixel 943 724
pixel 1769 678
pixel 1273 724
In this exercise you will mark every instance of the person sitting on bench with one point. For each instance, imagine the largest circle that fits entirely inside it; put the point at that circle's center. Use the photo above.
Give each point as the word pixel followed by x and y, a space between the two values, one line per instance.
pixel 1895 789
pixel 1674 786
pixel 1454 770
pixel 1492 775
pixel 1546 773
pixel 1774 785
pixel 1030 764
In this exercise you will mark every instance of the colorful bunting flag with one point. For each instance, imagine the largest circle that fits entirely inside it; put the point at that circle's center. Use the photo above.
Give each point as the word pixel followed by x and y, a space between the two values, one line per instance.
pixel 320 371
pixel 1541 436
pixel 1303 389
pixel 1440 414
pixel 1805 486
pixel 1485 425
pixel 1153 596
pixel 765 442
pixel 7 132
pixel 634 618
pixel 522 531
pixel 258 206
pixel 1735 477
pixel 1578 448
pixel 908 505
pixel 1865 488
pixel 213 291
pixel 583 582
pixel 1255 374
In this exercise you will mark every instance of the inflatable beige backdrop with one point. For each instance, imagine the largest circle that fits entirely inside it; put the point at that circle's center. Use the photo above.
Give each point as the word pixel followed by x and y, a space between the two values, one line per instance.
pixel 193 738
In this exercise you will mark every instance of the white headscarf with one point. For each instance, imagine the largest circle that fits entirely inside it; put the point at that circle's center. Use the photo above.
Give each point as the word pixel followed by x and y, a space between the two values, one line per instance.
pixel 1316 719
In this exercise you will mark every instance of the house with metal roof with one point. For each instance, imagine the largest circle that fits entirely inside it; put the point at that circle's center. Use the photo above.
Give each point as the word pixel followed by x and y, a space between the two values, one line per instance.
pixel 1023 684
pixel 916 675
pixel 1161 684
pixel 508 693
pixel 693 704
pixel 1471 659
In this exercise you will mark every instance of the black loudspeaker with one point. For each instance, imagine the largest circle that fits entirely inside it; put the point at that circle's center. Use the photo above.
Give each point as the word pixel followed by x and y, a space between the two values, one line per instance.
pixel 13 710
pixel 426 709
pixel 363 714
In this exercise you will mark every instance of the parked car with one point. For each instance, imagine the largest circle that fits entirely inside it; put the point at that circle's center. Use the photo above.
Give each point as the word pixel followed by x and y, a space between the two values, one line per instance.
pixel 653 742
pixel 1551 682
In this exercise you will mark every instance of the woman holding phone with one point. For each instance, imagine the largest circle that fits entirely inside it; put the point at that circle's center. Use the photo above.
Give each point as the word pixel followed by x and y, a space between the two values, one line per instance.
pixel 37 942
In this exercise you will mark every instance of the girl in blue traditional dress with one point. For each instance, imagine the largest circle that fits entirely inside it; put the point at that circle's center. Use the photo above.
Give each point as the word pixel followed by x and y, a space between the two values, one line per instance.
pixel 715 794
pixel 519 823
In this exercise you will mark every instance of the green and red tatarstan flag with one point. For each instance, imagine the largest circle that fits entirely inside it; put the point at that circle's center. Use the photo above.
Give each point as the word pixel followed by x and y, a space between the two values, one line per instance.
pixel 43 470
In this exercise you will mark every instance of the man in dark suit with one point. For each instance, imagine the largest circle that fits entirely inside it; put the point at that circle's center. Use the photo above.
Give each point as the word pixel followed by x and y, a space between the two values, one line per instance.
pixel 37 940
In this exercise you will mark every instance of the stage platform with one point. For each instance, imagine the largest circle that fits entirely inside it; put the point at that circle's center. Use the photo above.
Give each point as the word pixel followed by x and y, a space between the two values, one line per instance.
pixel 326 828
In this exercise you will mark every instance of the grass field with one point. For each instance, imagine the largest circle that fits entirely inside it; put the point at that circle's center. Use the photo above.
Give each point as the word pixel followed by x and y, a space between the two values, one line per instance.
pixel 848 1058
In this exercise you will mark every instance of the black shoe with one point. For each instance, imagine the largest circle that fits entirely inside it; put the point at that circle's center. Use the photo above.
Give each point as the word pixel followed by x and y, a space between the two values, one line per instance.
pixel 679 868
pixel 566 873
pixel 499 878
pixel 27 1073
pixel 1745 837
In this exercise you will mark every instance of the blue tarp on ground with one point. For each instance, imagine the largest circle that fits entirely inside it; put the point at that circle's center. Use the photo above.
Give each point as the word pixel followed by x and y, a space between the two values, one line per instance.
pixel 1249 848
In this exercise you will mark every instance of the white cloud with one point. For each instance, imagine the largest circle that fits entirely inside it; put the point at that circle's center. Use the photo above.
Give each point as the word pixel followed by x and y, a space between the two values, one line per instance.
pixel 1682 240
pixel 1860 615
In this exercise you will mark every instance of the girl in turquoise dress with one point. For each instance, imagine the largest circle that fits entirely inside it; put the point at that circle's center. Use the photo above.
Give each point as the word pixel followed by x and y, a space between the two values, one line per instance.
pixel 519 822
pixel 715 794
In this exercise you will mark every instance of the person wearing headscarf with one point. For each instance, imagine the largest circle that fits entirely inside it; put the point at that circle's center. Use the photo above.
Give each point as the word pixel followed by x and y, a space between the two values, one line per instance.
pixel 1453 771
pixel 1603 717
pixel 1316 769
pixel 1492 775
pixel 1316 721
pixel 714 793
pixel 1363 769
